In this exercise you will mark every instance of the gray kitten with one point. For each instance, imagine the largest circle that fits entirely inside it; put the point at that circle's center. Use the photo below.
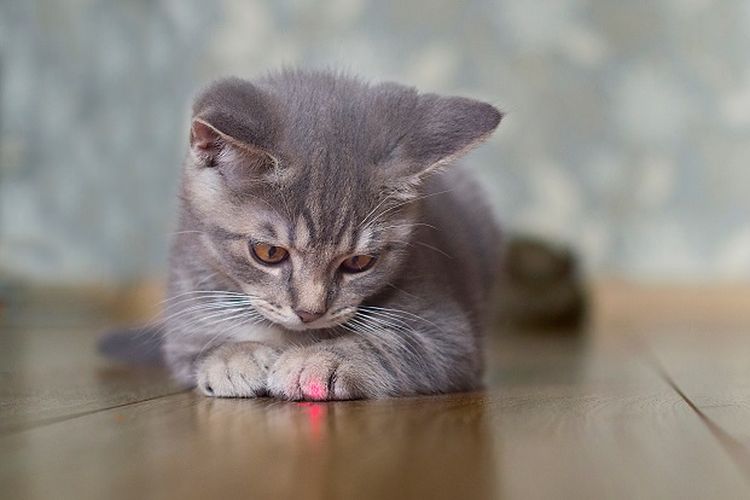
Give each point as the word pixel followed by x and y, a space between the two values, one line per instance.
pixel 328 247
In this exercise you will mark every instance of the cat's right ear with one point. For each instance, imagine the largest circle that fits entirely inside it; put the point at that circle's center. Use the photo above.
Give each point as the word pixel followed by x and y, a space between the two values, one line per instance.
pixel 205 142
pixel 214 148
pixel 241 165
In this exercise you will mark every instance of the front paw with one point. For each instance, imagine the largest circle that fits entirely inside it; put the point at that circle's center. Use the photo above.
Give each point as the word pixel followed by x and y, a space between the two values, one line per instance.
pixel 237 370
pixel 315 374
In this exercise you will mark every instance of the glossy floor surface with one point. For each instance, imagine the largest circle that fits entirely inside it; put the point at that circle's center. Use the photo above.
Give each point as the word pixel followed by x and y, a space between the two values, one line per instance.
pixel 653 401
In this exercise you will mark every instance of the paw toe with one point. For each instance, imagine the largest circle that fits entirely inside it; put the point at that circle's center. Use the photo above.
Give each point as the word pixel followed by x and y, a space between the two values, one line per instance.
pixel 234 372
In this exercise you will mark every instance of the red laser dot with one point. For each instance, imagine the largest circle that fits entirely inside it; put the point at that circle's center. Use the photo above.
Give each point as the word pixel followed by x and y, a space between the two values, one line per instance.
pixel 316 390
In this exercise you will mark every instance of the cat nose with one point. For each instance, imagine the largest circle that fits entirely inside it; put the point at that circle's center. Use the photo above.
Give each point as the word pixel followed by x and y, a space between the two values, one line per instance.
pixel 308 316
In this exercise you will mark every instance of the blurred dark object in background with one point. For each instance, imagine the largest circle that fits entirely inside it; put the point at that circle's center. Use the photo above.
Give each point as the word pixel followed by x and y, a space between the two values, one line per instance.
pixel 541 285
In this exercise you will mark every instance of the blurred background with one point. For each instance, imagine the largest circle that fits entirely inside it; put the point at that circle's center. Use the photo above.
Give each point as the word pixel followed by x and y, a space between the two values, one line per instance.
pixel 627 135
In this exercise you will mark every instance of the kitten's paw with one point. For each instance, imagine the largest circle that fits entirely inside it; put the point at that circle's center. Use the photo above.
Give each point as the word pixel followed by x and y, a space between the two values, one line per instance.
pixel 236 370
pixel 318 375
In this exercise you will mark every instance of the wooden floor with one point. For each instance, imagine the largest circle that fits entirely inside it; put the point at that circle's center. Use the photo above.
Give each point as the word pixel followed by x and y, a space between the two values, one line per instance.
pixel 653 401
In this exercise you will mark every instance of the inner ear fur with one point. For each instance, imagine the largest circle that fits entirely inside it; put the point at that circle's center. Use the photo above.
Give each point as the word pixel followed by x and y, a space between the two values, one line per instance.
pixel 218 149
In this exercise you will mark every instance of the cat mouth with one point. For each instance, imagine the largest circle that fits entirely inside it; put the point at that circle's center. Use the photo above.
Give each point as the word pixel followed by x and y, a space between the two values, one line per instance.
pixel 292 322
pixel 321 323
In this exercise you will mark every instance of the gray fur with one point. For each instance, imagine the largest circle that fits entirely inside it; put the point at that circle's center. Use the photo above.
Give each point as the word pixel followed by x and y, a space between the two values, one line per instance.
pixel 329 166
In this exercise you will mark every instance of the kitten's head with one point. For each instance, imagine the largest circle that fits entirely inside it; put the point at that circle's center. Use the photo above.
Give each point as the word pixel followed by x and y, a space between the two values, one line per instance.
pixel 304 184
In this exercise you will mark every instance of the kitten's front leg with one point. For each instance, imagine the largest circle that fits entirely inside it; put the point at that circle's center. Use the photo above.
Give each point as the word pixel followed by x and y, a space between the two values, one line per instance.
pixel 399 360
pixel 236 370
pixel 334 369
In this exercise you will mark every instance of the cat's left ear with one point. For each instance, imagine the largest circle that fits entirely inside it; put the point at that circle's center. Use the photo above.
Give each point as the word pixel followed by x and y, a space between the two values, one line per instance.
pixel 442 130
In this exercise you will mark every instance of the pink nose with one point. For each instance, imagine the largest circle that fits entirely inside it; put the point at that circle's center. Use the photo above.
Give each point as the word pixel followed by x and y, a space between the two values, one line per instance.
pixel 307 316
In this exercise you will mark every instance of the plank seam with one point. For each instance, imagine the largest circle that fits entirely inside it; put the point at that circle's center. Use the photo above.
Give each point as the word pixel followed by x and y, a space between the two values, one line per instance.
pixel 737 452
pixel 10 430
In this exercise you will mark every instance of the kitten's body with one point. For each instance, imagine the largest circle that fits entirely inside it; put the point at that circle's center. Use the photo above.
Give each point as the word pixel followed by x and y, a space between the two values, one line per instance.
pixel 326 167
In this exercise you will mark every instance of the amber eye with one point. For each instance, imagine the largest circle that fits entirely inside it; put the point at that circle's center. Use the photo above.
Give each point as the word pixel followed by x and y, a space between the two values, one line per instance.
pixel 269 254
pixel 357 263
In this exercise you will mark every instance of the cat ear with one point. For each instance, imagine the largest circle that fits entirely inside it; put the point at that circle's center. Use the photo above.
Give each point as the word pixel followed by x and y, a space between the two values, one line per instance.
pixel 205 141
pixel 442 130
pixel 211 144
pixel 241 165
pixel 234 130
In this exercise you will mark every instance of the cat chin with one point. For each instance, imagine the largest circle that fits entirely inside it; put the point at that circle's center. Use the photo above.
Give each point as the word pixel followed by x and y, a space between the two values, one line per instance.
pixel 315 325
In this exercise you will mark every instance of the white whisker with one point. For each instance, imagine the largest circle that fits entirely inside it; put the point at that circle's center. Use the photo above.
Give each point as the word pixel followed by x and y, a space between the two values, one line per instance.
pixel 407 202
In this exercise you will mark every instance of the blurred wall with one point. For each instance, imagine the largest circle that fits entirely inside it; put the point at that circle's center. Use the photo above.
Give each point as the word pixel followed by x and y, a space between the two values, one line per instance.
pixel 627 134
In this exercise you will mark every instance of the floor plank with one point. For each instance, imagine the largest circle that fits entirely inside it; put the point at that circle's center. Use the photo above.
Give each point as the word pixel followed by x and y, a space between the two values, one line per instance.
pixel 572 417
pixel 49 374
pixel 711 367
pixel 593 419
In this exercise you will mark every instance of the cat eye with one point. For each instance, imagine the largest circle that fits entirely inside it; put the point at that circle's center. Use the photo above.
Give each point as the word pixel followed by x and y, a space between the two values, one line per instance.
pixel 357 263
pixel 269 254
